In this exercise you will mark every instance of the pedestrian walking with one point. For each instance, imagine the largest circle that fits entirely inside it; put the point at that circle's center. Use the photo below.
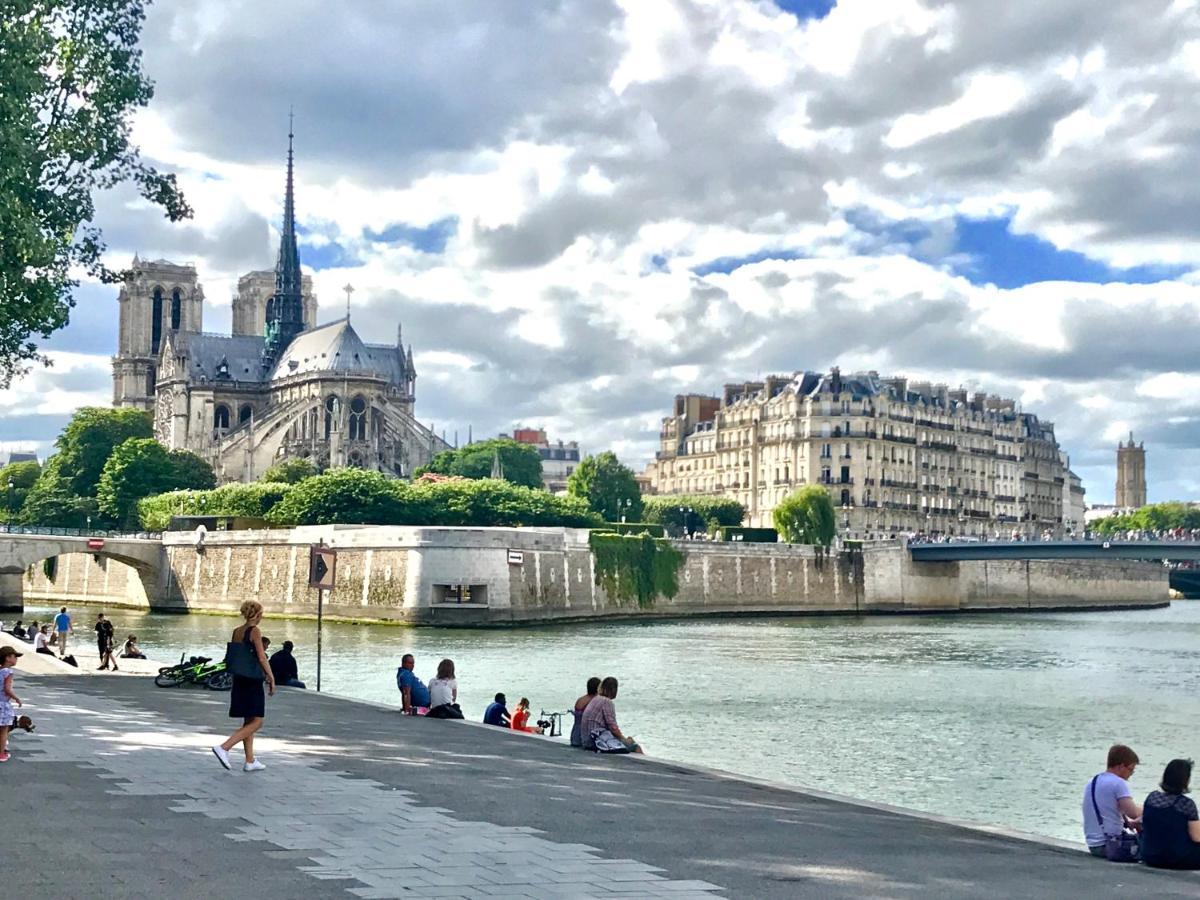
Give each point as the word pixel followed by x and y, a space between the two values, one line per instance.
pixel 246 701
pixel 62 627
pixel 8 712
pixel 104 643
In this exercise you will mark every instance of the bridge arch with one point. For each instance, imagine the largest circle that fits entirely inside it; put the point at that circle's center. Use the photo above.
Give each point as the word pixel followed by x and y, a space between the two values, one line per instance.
pixel 83 573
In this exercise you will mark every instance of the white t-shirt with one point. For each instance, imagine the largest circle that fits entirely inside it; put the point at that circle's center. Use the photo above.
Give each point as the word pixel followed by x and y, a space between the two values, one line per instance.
pixel 40 640
pixel 1110 790
pixel 441 691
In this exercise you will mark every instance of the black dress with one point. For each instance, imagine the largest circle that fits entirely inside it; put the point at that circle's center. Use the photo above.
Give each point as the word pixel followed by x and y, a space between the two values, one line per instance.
pixel 1166 843
pixel 247 700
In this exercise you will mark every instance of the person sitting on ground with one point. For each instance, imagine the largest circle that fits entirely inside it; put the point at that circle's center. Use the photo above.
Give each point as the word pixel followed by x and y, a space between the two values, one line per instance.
pixel 443 693
pixel 593 687
pixel 41 641
pixel 520 718
pixel 32 630
pixel 1170 822
pixel 497 712
pixel 599 725
pixel 18 630
pixel 131 650
pixel 283 664
pixel 1113 799
pixel 414 696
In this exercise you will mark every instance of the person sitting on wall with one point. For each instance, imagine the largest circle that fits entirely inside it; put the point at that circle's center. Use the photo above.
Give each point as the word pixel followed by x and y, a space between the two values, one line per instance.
pixel 593 688
pixel 1112 799
pixel 443 693
pixel 283 665
pixel 41 641
pixel 131 650
pixel 520 718
pixel 18 630
pixel 32 630
pixel 599 725
pixel 414 695
pixel 1170 822
pixel 497 713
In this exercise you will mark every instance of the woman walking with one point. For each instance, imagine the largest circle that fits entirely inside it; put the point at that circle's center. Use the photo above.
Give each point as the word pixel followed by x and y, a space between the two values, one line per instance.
pixel 246 700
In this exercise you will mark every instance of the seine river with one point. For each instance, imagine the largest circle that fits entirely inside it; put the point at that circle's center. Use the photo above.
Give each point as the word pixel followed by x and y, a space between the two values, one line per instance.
pixel 996 718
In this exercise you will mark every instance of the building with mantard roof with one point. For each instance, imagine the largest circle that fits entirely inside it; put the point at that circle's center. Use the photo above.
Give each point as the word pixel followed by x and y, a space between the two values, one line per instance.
pixel 897 455
pixel 279 387
pixel 559 459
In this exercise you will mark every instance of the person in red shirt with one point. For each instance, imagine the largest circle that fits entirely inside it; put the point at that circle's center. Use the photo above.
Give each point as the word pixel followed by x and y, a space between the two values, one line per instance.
pixel 521 716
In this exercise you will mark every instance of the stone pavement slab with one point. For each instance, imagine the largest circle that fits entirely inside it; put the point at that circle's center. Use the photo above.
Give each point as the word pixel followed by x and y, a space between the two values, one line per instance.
pixel 360 801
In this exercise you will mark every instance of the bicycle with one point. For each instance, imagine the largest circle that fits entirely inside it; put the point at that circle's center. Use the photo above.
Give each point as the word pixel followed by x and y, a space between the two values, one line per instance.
pixel 196 670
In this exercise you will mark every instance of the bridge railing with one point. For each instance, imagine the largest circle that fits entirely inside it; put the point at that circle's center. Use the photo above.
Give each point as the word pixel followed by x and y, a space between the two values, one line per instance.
pixel 55 531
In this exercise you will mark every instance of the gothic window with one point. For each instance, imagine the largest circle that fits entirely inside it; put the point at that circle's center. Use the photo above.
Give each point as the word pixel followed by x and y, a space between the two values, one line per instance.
pixel 221 418
pixel 332 406
pixel 356 460
pixel 176 309
pixel 358 419
pixel 151 381
pixel 244 414
pixel 156 315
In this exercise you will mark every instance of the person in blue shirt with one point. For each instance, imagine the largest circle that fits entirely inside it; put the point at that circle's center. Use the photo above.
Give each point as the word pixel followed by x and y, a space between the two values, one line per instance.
pixel 62 625
pixel 497 713
pixel 413 692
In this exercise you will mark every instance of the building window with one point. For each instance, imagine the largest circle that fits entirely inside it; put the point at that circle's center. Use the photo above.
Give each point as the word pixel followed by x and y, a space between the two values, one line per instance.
pixel 151 381
pixel 176 309
pixel 332 408
pixel 221 418
pixel 244 413
pixel 358 419
pixel 156 314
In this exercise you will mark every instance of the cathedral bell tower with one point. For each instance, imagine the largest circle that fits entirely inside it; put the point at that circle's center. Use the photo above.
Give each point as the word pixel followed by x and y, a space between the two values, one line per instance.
pixel 285 309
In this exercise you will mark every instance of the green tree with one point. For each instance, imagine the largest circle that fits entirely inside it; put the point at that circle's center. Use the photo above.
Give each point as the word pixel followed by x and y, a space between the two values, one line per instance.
pixel 609 487
pixel 235 499
pixel 806 517
pixel 142 467
pixel 71 80
pixel 51 502
pixel 89 440
pixel 672 509
pixel 289 471
pixel 341 496
pixel 520 462
pixel 16 480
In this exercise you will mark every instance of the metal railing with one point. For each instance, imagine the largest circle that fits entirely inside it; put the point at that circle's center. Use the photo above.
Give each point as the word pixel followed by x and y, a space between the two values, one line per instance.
pixel 56 531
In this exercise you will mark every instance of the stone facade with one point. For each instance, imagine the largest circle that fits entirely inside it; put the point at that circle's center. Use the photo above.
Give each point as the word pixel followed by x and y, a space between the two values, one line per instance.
pixel 1131 475
pixel 896 455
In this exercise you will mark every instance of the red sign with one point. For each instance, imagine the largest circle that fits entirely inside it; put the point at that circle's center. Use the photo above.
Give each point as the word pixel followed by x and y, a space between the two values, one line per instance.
pixel 95 543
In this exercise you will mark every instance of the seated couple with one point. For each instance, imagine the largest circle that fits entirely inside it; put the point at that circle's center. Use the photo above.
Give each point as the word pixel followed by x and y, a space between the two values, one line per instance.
pixel 439 700
pixel 497 714
pixel 595 720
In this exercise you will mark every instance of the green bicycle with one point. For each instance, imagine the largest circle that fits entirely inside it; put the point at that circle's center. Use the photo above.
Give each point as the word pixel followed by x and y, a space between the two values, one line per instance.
pixel 197 670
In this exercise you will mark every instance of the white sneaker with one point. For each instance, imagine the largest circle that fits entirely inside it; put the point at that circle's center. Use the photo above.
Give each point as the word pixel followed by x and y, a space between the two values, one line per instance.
pixel 222 756
pixel 255 766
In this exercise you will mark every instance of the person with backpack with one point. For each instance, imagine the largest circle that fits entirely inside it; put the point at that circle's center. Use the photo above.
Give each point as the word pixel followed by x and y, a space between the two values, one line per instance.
pixel 1108 805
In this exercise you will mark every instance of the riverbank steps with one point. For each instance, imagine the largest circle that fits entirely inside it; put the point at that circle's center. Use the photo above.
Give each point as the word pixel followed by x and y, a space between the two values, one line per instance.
pixel 514 576
pixel 360 801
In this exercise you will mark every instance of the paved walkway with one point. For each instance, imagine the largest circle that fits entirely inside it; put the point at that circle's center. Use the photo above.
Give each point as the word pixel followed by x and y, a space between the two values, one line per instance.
pixel 360 801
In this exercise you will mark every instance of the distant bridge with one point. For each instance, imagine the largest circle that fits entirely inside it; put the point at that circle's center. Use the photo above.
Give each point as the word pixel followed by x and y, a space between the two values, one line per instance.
pixel 20 549
pixel 998 550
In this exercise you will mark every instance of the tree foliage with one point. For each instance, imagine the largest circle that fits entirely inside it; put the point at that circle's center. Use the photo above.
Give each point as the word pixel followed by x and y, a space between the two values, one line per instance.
pixel 72 79
pixel 142 467
pixel 51 502
pixel 22 476
pixel 252 501
pixel 635 567
pixel 609 487
pixel 89 439
pixel 1155 517
pixel 671 509
pixel 289 471
pixel 806 517
pixel 520 462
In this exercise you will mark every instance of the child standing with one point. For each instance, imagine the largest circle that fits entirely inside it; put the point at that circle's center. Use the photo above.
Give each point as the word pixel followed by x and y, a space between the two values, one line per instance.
pixel 8 659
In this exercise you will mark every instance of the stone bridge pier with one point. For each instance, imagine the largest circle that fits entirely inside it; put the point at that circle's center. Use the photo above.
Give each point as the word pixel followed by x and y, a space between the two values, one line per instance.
pixel 21 554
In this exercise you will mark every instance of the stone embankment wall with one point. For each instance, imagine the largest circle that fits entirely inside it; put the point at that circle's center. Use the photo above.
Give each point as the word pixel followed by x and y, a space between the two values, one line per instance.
pixel 465 576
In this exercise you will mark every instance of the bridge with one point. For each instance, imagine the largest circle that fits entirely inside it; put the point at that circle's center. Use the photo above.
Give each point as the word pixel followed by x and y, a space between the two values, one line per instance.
pixel 22 549
pixel 1022 550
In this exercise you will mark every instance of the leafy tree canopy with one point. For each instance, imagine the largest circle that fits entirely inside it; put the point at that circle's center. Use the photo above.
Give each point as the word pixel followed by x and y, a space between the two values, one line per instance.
pixel 72 79
pixel 520 462
pixel 1155 517
pixel 671 509
pixel 609 487
pixel 806 517
pixel 142 467
pixel 51 502
pixel 235 499
pixel 90 438
pixel 289 471
pixel 16 479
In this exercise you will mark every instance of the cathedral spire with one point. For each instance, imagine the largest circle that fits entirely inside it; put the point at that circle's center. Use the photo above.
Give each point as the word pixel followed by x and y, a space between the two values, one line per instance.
pixel 285 317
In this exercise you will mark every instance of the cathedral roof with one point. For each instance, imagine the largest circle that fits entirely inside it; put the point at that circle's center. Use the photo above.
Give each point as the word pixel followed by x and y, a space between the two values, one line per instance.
pixel 213 356
pixel 336 347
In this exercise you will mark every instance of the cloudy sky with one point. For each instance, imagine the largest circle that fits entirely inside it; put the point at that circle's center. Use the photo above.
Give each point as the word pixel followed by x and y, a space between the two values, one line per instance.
pixel 579 208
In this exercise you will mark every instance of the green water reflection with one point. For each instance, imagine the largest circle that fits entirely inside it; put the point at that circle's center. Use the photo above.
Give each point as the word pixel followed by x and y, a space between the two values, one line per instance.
pixel 995 718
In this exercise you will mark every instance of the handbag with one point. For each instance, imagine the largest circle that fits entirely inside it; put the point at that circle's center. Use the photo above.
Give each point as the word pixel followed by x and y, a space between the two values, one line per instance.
pixel 242 661
pixel 1123 847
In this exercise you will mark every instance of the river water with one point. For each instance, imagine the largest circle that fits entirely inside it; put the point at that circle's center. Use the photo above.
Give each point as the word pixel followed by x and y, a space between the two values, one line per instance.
pixel 995 718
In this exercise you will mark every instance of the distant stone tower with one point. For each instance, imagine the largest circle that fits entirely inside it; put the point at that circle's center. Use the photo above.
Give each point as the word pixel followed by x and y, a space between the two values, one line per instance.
pixel 1131 475
pixel 254 289
pixel 159 297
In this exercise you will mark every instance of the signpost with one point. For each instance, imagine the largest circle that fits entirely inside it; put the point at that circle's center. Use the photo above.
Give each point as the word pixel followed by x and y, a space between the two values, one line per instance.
pixel 322 568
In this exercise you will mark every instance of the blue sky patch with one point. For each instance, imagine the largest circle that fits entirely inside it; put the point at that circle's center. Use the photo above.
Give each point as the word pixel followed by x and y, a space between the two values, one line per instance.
pixel 430 239
pixel 726 264
pixel 328 256
pixel 807 9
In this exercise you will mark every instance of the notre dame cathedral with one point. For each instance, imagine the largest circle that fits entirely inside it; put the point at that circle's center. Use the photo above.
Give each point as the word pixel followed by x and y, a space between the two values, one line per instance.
pixel 279 387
